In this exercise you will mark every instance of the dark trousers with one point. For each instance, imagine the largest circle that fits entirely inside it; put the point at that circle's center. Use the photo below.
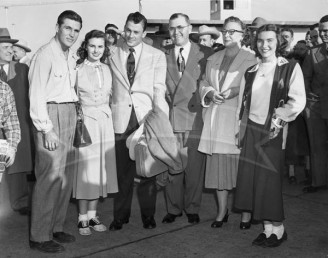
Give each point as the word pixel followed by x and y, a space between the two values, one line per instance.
pixel 126 171
pixel 318 136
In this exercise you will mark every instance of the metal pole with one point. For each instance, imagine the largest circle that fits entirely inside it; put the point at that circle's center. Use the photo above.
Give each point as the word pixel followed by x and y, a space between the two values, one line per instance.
pixel 140 7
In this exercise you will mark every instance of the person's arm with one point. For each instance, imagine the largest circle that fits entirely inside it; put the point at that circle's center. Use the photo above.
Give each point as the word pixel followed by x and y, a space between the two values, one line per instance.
pixel 10 123
pixel 159 84
pixel 296 95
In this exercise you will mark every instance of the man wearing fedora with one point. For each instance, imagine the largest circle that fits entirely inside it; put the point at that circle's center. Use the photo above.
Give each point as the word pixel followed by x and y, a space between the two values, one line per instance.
pixel 256 23
pixel 20 49
pixel 53 99
pixel 16 75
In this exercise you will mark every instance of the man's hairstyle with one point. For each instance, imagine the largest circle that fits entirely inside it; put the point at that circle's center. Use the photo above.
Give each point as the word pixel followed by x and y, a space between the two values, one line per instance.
pixel 110 25
pixel 289 30
pixel 82 51
pixel 235 19
pixel 301 42
pixel 281 44
pixel 313 26
pixel 69 14
pixel 137 18
pixel 324 19
pixel 177 15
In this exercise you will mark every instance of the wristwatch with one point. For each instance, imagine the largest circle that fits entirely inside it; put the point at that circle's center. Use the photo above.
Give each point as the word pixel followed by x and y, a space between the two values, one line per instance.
pixel 278 122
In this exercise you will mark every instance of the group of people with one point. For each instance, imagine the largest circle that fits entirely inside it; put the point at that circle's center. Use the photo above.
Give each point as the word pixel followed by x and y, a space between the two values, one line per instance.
pixel 228 109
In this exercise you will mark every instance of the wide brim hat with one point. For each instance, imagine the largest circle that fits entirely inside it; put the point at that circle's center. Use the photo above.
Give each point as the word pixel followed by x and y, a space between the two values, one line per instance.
pixel 23 44
pixel 163 31
pixel 258 22
pixel 206 30
pixel 5 36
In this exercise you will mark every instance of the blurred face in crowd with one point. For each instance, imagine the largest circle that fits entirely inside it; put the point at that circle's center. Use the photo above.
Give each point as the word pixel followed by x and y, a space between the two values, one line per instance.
pixel 300 49
pixel 308 40
pixel 6 52
pixel 95 49
pixel 314 36
pixel 166 42
pixel 19 53
pixel 287 36
pixel 134 33
pixel 323 31
pixel 111 39
pixel 67 33
pixel 232 34
pixel 179 30
pixel 267 44
pixel 206 40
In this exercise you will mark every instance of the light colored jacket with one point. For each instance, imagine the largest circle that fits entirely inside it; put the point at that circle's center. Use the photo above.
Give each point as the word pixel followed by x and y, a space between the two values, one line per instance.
pixel 218 135
pixel 147 90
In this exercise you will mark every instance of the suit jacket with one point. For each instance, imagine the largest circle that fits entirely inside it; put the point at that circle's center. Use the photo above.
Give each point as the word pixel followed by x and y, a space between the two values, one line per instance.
pixel 147 90
pixel 315 71
pixel 18 81
pixel 216 138
pixel 182 93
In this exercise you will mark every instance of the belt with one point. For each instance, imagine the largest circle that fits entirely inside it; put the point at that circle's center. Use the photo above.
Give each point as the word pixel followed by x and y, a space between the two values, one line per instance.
pixel 53 102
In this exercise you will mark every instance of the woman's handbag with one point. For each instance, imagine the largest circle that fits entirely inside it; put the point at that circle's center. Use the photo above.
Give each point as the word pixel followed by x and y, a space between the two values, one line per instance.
pixel 82 137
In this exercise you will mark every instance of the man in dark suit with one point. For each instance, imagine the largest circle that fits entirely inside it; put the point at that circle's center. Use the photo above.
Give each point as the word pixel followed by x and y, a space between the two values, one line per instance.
pixel 315 69
pixel 16 75
pixel 186 63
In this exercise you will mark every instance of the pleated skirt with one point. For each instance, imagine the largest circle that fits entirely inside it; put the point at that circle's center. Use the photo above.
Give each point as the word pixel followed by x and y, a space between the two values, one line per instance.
pixel 221 171
pixel 260 173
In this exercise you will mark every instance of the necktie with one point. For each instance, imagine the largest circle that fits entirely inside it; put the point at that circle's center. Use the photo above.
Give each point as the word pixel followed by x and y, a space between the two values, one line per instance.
pixel 181 61
pixel 131 63
pixel 3 75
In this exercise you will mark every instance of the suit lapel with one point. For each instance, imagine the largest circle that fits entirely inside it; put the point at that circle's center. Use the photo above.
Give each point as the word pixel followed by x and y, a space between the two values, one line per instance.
pixel 321 56
pixel 117 58
pixel 143 63
pixel 172 66
pixel 216 67
pixel 193 58
pixel 11 71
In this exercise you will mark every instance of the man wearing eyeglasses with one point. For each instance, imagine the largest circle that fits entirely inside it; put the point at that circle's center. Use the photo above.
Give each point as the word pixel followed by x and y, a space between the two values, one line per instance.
pixel 315 69
pixel 186 63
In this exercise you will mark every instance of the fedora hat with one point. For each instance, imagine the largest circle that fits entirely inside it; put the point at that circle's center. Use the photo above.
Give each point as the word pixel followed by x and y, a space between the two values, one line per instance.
pixel 258 22
pixel 163 30
pixel 5 36
pixel 206 30
pixel 23 44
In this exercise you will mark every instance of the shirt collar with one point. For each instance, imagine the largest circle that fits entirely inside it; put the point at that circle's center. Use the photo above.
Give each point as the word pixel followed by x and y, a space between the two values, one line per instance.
pixel 137 48
pixel 280 61
pixel 56 47
pixel 93 64
pixel 186 47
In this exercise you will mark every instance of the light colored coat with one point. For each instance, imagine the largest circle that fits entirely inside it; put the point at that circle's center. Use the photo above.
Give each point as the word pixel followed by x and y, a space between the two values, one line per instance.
pixel 147 90
pixel 220 121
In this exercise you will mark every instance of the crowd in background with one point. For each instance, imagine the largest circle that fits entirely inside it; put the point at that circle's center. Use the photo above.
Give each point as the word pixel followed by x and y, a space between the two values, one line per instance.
pixel 237 116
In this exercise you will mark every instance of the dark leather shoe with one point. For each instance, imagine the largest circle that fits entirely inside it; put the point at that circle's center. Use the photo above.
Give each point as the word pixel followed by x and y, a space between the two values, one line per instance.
pixel 169 218
pixel 219 223
pixel 148 222
pixel 193 218
pixel 310 189
pixel 47 247
pixel 117 224
pixel 260 240
pixel 245 225
pixel 273 241
pixel 63 238
pixel 292 180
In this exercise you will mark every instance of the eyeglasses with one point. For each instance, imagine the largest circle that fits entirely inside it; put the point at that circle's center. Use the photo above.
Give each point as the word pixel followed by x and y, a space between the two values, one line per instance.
pixel 230 32
pixel 178 28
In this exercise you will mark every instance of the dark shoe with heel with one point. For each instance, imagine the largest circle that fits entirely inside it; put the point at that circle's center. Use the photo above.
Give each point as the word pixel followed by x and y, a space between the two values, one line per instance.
pixel 219 223
pixel 47 247
pixel 148 222
pixel 169 218
pixel 292 180
pixel 245 225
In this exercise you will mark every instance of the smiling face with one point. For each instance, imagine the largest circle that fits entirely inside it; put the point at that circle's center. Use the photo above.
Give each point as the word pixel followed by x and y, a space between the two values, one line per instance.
pixel 267 43
pixel 206 40
pixel 235 39
pixel 179 30
pixel 287 36
pixel 67 33
pixel 323 32
pixel 6 52
pixel 95 49
pixel 134 33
